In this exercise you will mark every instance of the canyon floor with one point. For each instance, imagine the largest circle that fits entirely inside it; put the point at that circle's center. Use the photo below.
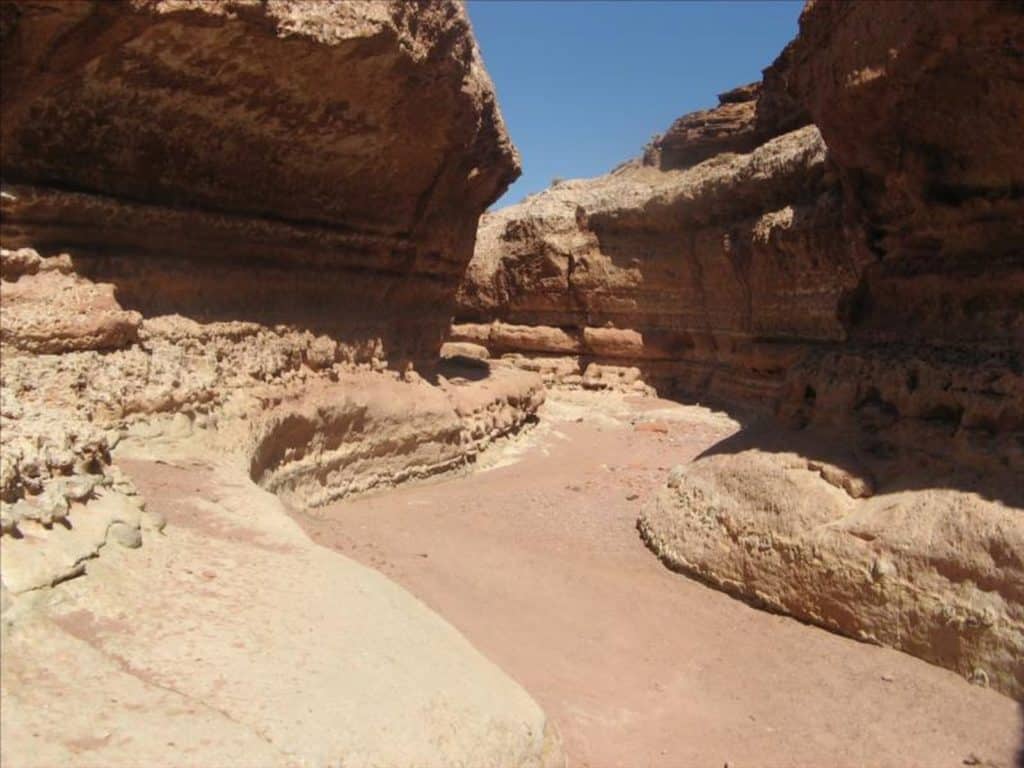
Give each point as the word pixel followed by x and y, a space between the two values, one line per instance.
pixel 535 557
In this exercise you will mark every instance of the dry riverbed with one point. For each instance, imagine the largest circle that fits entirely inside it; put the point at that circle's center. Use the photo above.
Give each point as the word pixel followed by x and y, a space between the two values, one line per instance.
pixel 536 559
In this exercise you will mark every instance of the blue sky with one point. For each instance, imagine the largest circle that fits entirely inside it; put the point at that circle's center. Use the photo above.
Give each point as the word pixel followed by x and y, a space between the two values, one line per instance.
pixel 584 84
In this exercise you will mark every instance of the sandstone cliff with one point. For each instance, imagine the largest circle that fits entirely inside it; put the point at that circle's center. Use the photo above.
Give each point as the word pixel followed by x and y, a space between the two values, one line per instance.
pixel 315 164
pixel 838 247
pixel 252 218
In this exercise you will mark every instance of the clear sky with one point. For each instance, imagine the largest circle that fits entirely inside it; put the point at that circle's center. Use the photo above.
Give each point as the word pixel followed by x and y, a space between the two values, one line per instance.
pixel 584 84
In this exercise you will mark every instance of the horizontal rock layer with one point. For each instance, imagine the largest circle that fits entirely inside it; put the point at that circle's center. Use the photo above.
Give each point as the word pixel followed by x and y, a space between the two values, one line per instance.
pixel 860 278
pixel 273 408
pixel 203 156
pixel 776 275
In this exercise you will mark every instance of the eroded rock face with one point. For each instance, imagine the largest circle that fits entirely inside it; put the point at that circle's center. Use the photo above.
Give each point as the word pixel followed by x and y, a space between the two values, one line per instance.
pixel 313 163
pixel 252 218
pixel 311 418
pixel 921 113
pixel 802 274
pixel 272 409
pixel 713 278
pixel 934 571
pixel 859 278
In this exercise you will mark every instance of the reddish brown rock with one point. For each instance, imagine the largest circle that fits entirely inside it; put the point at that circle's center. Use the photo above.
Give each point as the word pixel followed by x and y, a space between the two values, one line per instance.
pixel 922 114
pixel 863 282
pixel 718 274
pixel 740 274
pixel 729 127
pixel 744 118
pixel 323 164
pixel 52 312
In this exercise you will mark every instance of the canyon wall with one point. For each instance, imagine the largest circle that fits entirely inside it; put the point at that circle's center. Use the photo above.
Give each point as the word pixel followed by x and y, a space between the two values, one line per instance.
pixel 315 164
pixel 754 262
pixel 232 234
pixel 839 248
pixel 243 206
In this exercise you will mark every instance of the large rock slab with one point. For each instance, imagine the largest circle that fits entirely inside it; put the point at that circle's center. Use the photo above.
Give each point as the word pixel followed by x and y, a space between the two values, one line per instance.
pixel 232 639
pixel 931 570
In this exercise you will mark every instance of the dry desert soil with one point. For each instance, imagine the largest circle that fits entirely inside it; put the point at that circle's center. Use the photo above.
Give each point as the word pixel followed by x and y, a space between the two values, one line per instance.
pixel 535 557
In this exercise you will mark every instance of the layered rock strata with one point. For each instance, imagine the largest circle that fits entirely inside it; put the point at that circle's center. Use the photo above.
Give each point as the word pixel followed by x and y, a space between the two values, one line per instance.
pixel 253 216
pixel 268 408
pixel 840 248
pixel 317 164
pixel 308 417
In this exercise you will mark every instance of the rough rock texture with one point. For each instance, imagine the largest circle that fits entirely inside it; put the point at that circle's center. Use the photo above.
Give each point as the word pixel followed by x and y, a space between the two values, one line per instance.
pixel 744 118
pixel 303 416
pixel 232 639
pixel 253 216
pixel 56 312
pixel 324 443
pixel 860 277
pixel 713 279
pixel 922 116
pixel 312 419
pixel 321 164
pixel 895 559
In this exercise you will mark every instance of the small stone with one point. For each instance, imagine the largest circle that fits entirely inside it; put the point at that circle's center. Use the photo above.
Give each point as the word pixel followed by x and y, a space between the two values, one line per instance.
pixel 154 520
pixel 979 677
pixel 675 476
pixel 126 535
pixel 80 488
pixel 882 569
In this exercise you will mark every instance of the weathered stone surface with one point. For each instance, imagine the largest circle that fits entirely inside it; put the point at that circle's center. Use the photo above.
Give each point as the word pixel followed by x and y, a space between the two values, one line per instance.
pixel 719 274
pixel 196 154
pixel 51 312
pixel 797 280
pixel 313 418
pixel 745 117
pixel 234 639
pixel 931 570
pixel 864 279
pixel 729 127
pixel 262 211
pixel 303 416
pixel 922 116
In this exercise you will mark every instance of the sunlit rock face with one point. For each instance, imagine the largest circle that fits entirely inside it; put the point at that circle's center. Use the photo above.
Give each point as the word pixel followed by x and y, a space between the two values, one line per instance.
pixel 232 233
pixel 828 273
pixel 840 247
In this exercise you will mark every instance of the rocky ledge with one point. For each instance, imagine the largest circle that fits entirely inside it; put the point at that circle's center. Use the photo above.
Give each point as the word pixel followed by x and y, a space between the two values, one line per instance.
pixel 276 162
pixel 253 217
pixel 836 250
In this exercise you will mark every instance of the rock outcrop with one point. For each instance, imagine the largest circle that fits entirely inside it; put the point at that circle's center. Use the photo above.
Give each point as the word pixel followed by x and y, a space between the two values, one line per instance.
pixel 253 217
pixel 321 164
pixel 839 248
pixel 877 550
pixel 232 639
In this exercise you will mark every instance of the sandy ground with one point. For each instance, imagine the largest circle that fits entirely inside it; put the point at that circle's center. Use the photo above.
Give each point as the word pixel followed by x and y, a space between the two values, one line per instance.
pixel 537 561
